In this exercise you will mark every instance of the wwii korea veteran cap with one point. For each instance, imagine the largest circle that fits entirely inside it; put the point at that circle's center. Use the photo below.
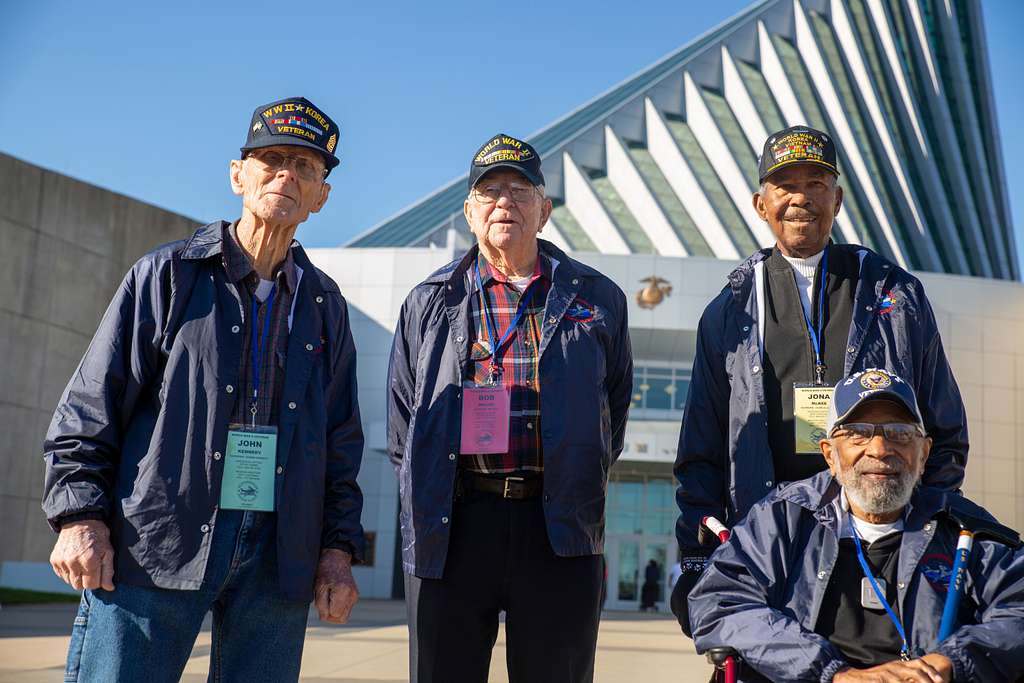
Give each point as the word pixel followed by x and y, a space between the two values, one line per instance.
pixel 505 151
pixel 796 145
pixel 870 385
pixel 293 121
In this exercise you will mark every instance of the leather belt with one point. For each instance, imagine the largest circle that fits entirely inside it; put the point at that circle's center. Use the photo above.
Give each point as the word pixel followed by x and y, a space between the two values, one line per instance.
pixel 513 488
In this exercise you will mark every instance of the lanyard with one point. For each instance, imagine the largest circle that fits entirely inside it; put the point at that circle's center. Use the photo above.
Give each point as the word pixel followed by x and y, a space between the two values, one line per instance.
pixel 817 333
pixel 492 331
pixel 904 649
pixel 259 345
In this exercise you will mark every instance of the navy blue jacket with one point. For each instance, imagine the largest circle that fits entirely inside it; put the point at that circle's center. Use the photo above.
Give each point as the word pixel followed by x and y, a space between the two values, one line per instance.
pixel 138 433
pixel 586 372
pixel 724 463
pixel 762 590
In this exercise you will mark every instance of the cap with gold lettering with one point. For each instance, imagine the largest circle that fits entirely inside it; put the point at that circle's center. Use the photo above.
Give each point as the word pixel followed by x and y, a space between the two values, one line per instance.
pixel 293 121
pixel 796 145
pixel 505 151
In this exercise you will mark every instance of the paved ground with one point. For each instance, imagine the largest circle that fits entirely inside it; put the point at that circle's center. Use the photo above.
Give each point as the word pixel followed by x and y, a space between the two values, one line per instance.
pixel 371 649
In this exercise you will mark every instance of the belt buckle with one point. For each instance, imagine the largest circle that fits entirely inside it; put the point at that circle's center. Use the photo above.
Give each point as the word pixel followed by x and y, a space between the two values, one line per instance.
pixel 505 493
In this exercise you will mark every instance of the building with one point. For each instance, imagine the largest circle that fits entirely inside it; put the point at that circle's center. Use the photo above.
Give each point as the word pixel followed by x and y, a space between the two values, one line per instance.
pixel 652 185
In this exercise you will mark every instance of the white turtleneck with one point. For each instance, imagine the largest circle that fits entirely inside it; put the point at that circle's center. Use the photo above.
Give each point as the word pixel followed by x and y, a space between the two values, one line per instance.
pixel 868 531
pixel 803 269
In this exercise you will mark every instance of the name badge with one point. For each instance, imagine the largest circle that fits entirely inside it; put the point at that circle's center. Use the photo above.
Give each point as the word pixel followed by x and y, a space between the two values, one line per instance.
pixel 810 416
pixel 868 596
pixel 486 412
pixel 249 463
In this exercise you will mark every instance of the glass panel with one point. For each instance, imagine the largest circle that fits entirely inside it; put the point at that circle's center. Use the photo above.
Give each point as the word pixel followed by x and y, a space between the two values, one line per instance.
pixel 570 229
pixel 629 560
pixel 631 231
pixel 655 558
pixel 677 215
pixel 659 397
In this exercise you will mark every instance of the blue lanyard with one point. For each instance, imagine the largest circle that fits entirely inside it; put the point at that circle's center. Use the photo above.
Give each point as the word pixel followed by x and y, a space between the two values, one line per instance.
pixel 259 345
pixel 492 331
pixel 905 648
pixel 817 333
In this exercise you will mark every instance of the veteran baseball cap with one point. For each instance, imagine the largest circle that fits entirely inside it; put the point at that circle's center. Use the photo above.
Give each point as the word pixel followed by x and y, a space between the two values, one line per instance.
pixel 505 151
pixel 293 121
pixel 796 145
pixel 870 385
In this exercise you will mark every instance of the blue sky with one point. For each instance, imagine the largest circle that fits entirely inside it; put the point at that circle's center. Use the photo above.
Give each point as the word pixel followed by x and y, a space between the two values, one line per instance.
pixel 153 100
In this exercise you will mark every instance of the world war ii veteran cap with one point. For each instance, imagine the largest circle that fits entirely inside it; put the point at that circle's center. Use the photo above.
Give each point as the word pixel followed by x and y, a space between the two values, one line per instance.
pixel 796 145
pixel 870 385
pixel 505 151
pixel 293 121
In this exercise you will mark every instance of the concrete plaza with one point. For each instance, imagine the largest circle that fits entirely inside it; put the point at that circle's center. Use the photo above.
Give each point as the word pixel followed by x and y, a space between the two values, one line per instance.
pixel 373 648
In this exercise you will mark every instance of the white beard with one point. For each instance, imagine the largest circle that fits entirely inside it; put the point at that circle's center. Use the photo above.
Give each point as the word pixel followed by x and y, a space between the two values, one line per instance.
pixel 878 498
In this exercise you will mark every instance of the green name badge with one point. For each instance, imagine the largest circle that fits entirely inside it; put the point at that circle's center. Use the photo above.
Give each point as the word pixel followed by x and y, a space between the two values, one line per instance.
pixel 810 416
pixel 249 463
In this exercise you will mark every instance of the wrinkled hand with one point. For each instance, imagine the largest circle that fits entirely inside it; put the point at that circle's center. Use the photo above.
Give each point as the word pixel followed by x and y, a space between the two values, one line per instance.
pixel 335 592
pixel 933 668
pixel 83 557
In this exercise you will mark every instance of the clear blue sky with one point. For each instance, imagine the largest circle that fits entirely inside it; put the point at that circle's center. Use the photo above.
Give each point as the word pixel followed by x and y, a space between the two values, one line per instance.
pixel 153 99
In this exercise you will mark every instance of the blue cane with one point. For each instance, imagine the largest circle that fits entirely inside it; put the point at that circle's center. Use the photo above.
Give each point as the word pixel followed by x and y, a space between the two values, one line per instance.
pixel 957 579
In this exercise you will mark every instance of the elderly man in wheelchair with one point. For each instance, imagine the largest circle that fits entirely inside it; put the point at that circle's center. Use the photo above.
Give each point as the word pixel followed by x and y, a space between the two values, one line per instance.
pixel 861 573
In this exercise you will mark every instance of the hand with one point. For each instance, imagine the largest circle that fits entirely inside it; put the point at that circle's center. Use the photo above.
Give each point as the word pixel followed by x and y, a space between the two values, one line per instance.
pixel 83 557
pixel 932 668
pixel 678 602
pixel 335 592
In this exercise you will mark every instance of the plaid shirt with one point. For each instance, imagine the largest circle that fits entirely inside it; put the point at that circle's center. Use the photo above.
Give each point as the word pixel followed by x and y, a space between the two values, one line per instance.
pixel 518 361
pixel 240 271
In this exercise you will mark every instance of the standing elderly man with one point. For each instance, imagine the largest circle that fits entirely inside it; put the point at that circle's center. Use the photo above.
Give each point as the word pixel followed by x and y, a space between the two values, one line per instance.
pixel 792 321
pixel 204 455
pixel 510 381
pixel 844 576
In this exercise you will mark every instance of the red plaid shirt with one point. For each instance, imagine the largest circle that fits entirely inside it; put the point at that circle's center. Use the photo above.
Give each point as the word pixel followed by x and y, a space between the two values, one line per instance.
pixel 518 360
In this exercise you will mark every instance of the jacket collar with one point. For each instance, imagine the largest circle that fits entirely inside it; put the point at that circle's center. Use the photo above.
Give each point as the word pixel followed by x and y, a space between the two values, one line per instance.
pixel 562 267
pixel 818 493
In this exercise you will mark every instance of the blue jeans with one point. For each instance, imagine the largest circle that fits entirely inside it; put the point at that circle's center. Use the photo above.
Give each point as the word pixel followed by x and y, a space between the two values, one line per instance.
pixel 144 634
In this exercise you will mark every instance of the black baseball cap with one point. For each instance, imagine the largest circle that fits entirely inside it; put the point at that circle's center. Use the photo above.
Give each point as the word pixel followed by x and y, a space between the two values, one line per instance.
pixel 505 151
pixel 293 121
pixel 796 145
pixel 871 385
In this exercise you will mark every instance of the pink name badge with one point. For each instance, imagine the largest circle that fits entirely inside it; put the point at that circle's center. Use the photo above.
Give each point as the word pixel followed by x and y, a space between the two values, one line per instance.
pixel 485 416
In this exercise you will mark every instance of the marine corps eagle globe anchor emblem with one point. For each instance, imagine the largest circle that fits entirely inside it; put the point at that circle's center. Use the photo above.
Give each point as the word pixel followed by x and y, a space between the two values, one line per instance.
pixel 654 293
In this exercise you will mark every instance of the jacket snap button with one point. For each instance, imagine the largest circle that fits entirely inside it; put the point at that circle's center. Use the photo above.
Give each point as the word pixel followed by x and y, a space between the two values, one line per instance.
pixel 451 456
pixel 319 299
pixel 444 520
pixel 850 349
pixel 868 308
pixel 230 389
pixel 280 470
pixel 900 585
pixel 235 328
pixel 746 328
pixel 291 405
pixel 216 455
pixel 205 528
pixel 459 339
pixel 768 483
pixel 552 320
pixel 575 280
pixel 756 369
pixel 821 575
pixel 309 347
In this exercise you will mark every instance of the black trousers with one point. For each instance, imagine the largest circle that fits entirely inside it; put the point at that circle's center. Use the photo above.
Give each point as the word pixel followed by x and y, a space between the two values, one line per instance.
pixel 499 559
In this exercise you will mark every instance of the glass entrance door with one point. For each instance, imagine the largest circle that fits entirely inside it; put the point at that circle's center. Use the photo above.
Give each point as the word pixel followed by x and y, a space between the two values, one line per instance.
pixel 638 572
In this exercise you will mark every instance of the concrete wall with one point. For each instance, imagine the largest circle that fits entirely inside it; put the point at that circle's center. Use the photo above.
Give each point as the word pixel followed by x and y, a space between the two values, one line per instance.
pixel 64 247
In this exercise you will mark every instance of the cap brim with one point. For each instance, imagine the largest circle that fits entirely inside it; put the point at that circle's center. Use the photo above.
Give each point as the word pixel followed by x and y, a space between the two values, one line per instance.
pixel 776 167
pixel 882 395
pixel 534 179
pixel 289 141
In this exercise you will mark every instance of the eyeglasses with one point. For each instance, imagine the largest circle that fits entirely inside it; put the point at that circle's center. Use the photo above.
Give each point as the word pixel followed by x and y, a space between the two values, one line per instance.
pixel 306 168
pixel 489 193
pixel 859 433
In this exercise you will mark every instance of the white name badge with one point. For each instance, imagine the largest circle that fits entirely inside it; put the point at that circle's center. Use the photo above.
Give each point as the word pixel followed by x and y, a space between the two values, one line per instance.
pixel 810 416
pixel 249 464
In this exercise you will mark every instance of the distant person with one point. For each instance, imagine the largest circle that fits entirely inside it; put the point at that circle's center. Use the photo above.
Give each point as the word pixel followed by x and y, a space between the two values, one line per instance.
pixel 844 576
pixel 649 592
pixel 509 384
pixel 203 457
pixel 791 322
